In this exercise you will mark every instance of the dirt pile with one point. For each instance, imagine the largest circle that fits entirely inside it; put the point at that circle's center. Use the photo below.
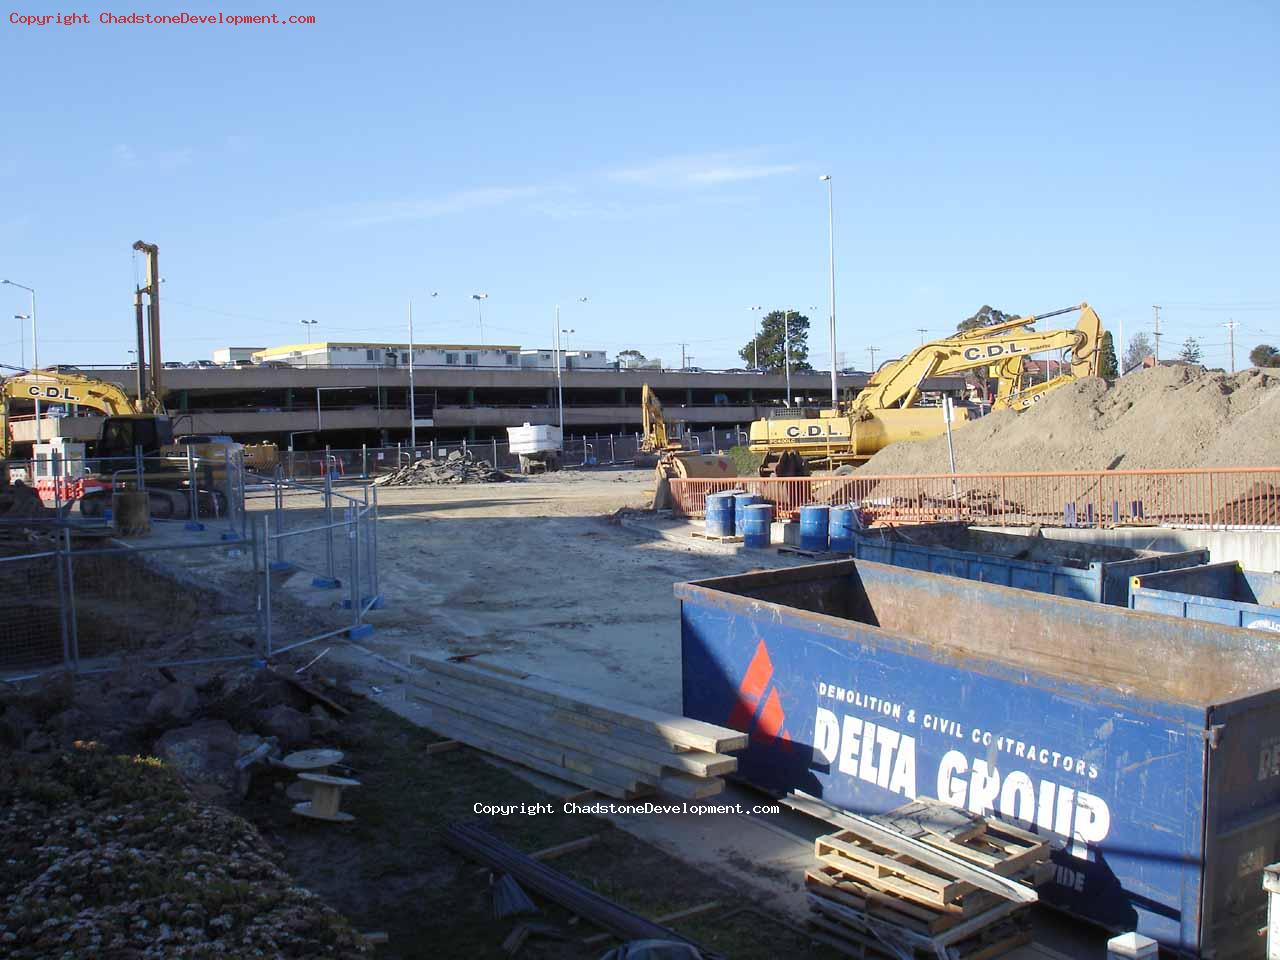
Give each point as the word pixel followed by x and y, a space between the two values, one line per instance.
pixel 1162 418
pixel 21 502
pixel 457 467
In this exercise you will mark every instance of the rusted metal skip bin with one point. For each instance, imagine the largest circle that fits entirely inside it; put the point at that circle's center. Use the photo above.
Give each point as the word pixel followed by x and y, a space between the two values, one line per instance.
pixel 1147 747
pixel 1223 593
pixel 1085 571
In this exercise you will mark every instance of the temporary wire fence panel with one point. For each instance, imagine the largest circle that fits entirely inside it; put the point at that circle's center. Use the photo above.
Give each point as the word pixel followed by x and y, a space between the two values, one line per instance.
pixel 1223 497
pixel 33 629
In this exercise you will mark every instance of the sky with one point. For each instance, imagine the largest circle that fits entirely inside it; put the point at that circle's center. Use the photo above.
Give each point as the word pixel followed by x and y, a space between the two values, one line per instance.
pixel 659 159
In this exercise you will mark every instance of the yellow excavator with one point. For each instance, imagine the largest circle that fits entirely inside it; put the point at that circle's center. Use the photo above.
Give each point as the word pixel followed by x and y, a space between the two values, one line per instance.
pixel 886 410
pixel 672 459
pixel 84 472
pixel 126 428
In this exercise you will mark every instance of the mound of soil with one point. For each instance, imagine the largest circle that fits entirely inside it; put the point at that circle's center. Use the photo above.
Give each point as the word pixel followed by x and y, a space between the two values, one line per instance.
pixel 1161 418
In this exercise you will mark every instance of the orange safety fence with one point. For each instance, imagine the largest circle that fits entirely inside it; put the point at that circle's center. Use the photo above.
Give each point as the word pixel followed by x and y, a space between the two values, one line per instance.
pixel 1222 497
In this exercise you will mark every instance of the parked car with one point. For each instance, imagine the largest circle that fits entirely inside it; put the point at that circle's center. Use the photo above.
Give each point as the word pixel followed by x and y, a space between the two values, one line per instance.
pixel 174 364
pixel 274 364
pixel 65 368
pixel 203 364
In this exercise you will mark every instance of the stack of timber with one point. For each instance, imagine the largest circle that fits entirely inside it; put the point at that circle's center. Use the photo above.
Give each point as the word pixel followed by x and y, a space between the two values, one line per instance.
pixel 904 884
pixel 619 750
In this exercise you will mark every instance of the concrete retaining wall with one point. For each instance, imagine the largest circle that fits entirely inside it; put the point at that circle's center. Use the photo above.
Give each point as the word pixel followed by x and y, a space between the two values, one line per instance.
pixel 1252 549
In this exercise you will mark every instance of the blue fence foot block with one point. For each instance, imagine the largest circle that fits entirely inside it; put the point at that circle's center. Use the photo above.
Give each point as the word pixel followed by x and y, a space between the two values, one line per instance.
pixel 231 535
pixel 193 525
pixel 326 583
pixel 360 632
pixel 279 566
pixel 375 603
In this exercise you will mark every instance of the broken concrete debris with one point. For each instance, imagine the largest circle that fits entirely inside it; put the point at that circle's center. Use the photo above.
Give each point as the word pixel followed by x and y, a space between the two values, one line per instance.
pixel 456 467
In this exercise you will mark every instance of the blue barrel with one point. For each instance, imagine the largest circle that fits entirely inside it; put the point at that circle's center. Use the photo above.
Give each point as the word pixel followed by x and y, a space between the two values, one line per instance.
pixel 719 513
pixel 813 527
pixel 842 529
pixel 740 503
pixel 757 525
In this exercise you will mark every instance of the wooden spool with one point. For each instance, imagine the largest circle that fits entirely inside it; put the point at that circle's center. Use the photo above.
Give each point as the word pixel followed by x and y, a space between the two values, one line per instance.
pixel 308 761
pixel 326 798
pixel 131 512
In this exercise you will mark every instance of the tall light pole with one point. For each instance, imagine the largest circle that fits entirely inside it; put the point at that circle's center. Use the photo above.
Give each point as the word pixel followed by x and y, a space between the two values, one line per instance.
pixel 479 298
pixel 555 337
pixel 755 341
pixel 831 255
pixel 22 337
pixel 35 344
pixel 413 419
pixel 786 349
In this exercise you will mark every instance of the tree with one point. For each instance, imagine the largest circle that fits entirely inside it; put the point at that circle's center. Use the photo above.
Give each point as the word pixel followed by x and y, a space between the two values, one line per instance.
pixel 987 316
pixel 1108 369
pixel 1138 350
pixel 772 350
pixel 1191 352
pixel 635 355
pixel 1264 355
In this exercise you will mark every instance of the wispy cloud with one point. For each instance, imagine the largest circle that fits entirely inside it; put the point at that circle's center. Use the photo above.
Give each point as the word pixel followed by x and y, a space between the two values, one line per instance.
pixel 125 155
pixel 708 169
pixel 461 201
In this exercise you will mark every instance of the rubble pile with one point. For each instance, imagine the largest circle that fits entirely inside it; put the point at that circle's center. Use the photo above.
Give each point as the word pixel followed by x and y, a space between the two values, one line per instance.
pixel 109 856
pixel 457 467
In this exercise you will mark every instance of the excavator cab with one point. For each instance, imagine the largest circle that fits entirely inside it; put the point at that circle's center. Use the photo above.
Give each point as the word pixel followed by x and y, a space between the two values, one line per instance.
pixel 121 436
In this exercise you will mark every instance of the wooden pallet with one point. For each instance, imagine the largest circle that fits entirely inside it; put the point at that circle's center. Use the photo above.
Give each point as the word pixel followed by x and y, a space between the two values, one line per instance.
pixel 619 750
pixel 879 887
pixel 715 539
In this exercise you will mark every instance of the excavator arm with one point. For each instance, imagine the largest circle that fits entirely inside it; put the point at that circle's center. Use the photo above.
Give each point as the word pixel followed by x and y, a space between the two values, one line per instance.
pixel 656 439
pixel 1013 393
pixel 51 386
pixel 898 384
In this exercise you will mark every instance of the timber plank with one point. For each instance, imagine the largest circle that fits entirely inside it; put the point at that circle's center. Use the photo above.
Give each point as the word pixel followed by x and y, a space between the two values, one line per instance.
pixel 656 754
pixel 690 733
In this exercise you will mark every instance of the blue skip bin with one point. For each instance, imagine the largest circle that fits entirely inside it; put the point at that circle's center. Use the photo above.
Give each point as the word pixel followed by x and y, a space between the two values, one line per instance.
pixel 1215 593
pixel 1145 749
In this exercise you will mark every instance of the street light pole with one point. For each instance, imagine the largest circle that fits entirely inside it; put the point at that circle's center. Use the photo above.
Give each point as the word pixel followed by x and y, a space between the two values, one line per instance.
pixel 479 298
pixel 831 253
pixel 413 419
pixel 786 345
pixel 35 345
pixel 22 338
pixel 755 341
pixel 559 382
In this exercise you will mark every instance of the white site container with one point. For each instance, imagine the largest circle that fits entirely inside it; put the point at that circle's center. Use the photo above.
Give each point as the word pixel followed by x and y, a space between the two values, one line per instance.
pixel 528 440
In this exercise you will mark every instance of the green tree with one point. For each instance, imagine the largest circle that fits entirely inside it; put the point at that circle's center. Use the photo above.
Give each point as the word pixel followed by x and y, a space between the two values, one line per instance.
pixel 1191 352
pixel 1264 355
pixel 772 349
pixel 632 355
pixel 1138 350
pixel 1108 368
pixel 987 316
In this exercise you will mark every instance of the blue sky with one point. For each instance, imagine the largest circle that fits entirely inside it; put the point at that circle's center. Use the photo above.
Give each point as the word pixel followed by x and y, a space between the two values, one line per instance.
pixel 660 159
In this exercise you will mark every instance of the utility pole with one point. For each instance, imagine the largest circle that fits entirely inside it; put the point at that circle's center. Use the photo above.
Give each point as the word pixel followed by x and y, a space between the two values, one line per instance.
pixel 1156 308
pixel 786 344
pixel 1231 342
pixel 831 252
pixel 559 379
pixel 683 358
pixel 413 419
pixel 873 351
pixel 755 341
pixel 922 331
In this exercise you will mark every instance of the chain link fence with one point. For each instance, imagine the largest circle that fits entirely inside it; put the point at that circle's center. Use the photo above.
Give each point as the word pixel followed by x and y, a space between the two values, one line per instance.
pixel 283 565
pixel 579 450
